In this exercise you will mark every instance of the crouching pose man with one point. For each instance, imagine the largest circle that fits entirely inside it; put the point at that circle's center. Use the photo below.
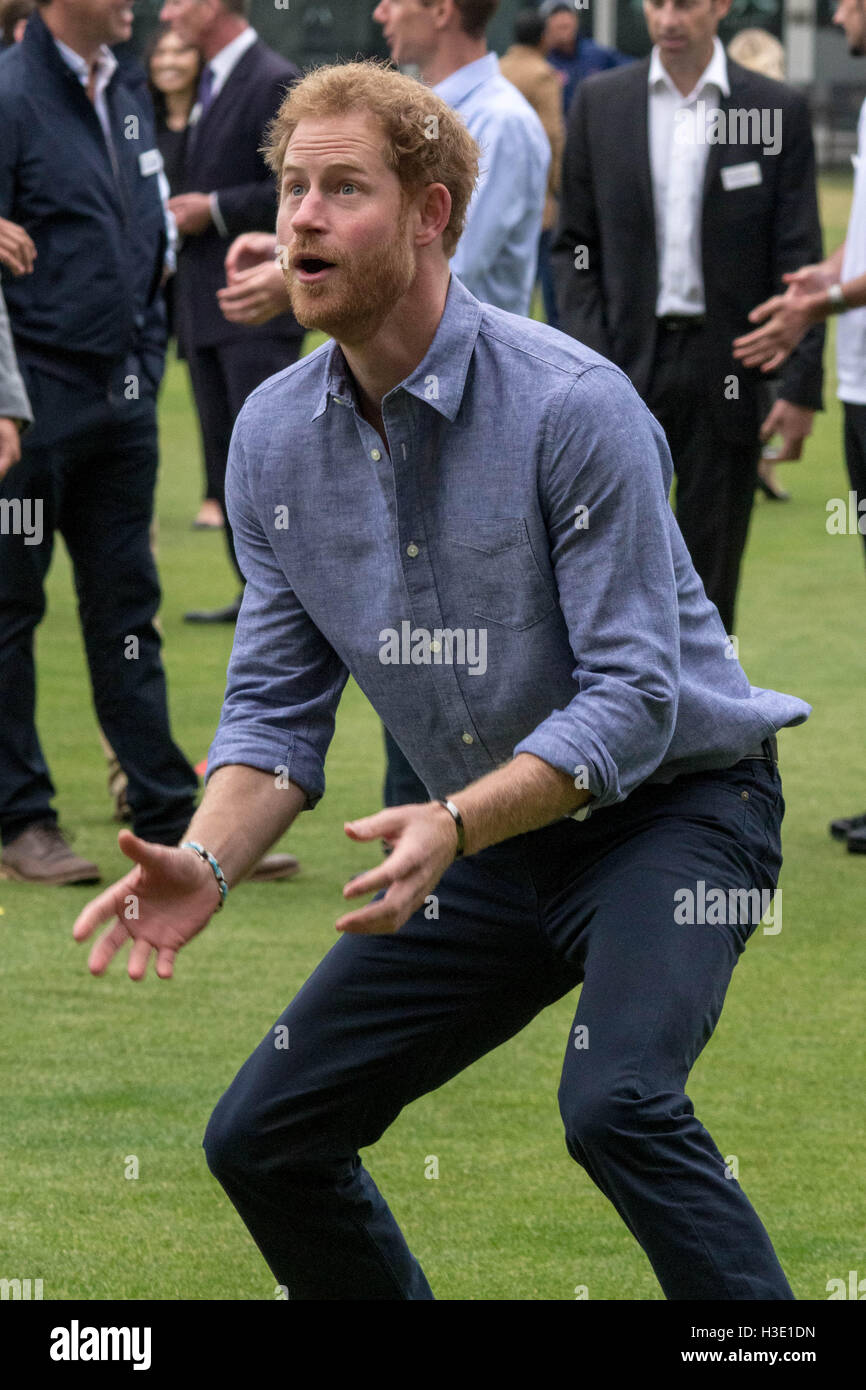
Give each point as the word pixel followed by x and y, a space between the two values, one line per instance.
pixel 444 479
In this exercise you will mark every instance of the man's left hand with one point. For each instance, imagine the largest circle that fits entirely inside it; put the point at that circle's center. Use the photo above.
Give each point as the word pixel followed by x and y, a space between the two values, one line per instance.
pixel 793 423
pixel 425 843
pixel 191 213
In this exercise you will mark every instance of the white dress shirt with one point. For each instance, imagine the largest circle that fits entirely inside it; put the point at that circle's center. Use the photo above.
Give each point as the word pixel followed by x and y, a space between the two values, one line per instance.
pixel 106 66
pixel 678 161
pixel 851 326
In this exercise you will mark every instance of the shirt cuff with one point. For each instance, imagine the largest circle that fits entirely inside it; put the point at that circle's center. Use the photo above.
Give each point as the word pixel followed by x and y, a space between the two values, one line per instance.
pixel 217 215
pixel 558 743
pixel 283 757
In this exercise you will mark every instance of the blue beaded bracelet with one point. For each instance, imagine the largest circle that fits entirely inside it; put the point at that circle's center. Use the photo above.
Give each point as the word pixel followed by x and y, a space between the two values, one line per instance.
pixel 218 873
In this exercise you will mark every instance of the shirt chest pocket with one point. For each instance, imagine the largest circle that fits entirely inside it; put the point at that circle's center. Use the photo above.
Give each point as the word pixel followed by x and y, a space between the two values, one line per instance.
pixel 493 572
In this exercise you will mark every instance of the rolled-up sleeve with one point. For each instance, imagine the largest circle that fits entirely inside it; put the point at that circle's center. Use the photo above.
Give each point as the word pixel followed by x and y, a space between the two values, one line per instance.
pixel 609 525
pixel 284 679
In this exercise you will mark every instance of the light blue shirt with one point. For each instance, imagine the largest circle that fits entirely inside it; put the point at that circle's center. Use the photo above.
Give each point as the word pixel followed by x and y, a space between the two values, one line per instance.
pixel 511 579
pixel 497 255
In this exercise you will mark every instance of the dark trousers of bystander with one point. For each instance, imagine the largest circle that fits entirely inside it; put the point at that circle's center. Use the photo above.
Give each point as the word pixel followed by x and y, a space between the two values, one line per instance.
pixel 385 1019
pixel 88 470
pixel 222 377
pixel 855 459
pixel 715 473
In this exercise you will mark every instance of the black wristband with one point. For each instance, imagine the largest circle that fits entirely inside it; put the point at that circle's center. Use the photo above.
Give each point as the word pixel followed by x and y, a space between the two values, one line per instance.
pixel 458 821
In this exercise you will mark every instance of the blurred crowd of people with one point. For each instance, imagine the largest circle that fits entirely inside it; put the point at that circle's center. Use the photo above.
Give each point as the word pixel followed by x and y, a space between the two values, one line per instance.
pixel 690 258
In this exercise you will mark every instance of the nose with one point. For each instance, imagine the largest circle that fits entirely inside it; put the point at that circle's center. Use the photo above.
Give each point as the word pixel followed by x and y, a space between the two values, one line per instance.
pixel 309 213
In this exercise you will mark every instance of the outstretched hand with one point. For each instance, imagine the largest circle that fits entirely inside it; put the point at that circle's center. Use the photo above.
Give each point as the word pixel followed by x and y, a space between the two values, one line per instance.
pixel 160 905
pixel 786 318
pixel 424 840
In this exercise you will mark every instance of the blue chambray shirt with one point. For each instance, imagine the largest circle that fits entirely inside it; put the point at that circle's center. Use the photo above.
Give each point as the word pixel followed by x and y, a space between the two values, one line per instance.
pixel 525 498
pixel 497 254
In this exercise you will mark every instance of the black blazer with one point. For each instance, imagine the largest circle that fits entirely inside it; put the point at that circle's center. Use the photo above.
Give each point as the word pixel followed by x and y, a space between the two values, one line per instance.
pixel 750 236
pixel 222 156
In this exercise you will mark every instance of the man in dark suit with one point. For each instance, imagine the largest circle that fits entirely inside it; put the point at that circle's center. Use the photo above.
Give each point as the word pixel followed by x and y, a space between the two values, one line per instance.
pixel 688 190
pixel 228 190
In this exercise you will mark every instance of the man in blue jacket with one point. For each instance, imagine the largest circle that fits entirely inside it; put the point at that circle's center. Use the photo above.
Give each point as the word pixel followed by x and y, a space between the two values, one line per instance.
pixel 79 170
pixel 573 57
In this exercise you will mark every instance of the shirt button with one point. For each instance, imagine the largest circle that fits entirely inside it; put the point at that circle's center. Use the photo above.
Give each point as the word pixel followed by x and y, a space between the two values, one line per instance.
pixel 435 646
pixel 412 550
pixel 467 738
pixel 375 454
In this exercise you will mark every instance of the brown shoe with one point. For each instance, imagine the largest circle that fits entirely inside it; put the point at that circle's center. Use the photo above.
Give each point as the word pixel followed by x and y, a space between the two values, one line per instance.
pixel 274 866
pixel 117 786
pixel 41 855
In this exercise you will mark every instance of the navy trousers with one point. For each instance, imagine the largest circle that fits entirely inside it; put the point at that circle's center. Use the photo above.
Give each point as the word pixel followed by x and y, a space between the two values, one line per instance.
pixel 385 1019
pixel 88 470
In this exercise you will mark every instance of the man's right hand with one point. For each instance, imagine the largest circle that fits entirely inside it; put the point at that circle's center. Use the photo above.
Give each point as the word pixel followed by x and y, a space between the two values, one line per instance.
pixel 163 902
pixel 811 279
pixel 17 250
pixel 248 250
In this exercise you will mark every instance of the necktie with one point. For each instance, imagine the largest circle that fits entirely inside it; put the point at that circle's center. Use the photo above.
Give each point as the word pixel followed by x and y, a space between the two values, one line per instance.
pixel 205 89
pixel 91 80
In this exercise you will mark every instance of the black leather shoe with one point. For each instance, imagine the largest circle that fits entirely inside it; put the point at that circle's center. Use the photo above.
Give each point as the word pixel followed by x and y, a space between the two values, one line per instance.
pixel 775 495
pixel 229 614
pixel 857 841
pixel 841 829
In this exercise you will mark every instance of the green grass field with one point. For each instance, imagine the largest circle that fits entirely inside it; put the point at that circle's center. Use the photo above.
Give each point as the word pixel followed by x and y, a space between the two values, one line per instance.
pixel 98 1071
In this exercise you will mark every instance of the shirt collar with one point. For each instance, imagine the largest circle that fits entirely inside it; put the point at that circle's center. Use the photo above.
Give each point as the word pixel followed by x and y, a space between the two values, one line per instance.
pixel 440 378
pixel 106 64
pixel 457 86
pixel 715 73
pixel 227 58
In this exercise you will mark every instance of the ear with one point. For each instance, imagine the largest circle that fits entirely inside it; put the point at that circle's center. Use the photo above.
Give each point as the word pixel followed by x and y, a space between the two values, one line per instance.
pixel 433 208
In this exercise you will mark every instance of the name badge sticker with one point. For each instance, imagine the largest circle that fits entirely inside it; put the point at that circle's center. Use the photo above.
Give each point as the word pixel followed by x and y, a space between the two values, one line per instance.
pixel 741 176
pixel 150 162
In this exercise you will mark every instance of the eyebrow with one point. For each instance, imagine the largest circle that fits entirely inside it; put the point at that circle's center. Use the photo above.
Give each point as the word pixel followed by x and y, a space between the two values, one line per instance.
pixel 329 168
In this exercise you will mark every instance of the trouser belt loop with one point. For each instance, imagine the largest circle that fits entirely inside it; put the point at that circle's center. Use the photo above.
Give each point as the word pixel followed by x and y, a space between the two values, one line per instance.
pixel 768 753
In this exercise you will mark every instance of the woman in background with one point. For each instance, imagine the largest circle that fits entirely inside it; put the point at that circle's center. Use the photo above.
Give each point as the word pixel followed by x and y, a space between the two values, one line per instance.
pixel 173 70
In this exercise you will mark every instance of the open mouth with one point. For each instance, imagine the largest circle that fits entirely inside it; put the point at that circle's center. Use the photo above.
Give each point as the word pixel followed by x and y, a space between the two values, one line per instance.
pixel 312 268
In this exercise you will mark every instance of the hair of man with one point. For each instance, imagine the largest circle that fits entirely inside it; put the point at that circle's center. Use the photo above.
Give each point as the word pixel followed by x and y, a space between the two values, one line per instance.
pixel 425 141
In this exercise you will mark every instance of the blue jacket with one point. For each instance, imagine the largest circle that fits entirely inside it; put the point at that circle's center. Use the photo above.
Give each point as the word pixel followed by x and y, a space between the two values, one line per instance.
pixel 94 294
pixel 588 57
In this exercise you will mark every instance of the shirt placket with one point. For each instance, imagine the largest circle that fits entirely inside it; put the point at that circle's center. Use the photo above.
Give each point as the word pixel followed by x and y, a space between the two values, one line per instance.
pixel 400 475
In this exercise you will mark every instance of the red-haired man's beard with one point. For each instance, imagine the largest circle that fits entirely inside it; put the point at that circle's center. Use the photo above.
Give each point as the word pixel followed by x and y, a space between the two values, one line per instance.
pixel 353 300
